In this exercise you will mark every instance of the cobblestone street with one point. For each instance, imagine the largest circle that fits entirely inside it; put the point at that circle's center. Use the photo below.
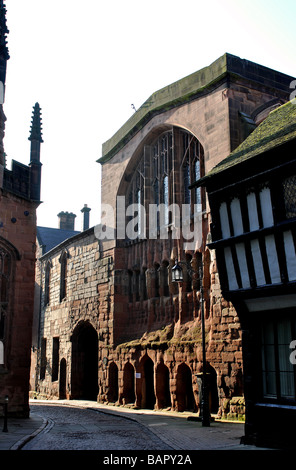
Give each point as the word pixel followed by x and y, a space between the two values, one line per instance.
pixel 71 428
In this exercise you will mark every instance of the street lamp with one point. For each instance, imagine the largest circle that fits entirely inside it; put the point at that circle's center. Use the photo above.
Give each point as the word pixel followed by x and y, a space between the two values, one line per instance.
pixel 205 410
pixel 5 429
pixel 177 272
pixel 177 276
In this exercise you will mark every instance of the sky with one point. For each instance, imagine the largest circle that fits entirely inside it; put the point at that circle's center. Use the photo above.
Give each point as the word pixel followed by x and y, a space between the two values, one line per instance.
pixel 87 62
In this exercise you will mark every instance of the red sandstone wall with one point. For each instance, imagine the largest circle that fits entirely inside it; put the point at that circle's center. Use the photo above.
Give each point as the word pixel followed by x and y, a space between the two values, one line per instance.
pixel 18 226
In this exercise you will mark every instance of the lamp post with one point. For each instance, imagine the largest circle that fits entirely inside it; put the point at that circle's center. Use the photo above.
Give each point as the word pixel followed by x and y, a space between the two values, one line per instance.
pixel 205 410
pixel 5 429
pixel 177 276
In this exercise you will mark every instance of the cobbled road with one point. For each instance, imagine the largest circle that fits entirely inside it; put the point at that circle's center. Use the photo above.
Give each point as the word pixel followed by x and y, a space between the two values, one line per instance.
pixel 72 428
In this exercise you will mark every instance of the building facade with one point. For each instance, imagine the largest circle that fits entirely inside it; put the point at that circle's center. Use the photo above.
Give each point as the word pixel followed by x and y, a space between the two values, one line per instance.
pixel 19 199
pixel 253 232
pixel 121 331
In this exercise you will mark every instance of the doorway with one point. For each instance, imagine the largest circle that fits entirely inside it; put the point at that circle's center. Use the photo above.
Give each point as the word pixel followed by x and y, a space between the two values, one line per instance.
pixel 84 376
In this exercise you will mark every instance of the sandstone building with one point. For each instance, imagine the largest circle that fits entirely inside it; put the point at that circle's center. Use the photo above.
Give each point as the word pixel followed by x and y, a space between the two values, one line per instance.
pixel 19 199
pixel 113 326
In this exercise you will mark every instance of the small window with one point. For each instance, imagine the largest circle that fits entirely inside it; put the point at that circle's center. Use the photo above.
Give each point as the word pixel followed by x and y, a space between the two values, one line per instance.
pixel 278 373
pixel 289 189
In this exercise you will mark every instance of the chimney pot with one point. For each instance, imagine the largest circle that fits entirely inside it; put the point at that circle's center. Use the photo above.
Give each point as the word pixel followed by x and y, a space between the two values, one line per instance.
pixel 66 220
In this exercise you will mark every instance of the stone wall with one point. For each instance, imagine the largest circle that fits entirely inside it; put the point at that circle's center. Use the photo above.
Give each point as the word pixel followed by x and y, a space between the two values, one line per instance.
pixel 87 301
pixel 18 237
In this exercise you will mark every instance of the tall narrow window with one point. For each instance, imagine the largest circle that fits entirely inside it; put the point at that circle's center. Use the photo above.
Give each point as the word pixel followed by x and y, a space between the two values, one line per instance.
pixel 63 280
pixel 43 359
pixel 140 212
pixel 165 198
pixel 192 169
pixel 55 359
pixel 47 284
pixel 186 171
pixel 197 177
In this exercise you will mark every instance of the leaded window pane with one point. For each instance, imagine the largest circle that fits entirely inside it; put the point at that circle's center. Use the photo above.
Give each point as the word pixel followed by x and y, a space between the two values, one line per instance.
pixel 289 189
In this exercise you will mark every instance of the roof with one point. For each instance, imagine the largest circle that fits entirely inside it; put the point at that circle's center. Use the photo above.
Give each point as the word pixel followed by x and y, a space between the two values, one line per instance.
pixel 278 128
pixel 190 88
pixel 49 238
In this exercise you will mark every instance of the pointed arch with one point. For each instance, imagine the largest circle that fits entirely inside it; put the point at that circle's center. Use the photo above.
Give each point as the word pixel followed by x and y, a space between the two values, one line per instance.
pixel 8 257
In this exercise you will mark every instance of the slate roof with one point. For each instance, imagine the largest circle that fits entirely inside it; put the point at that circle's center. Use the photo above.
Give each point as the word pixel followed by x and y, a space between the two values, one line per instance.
pixel 278 128
pixel 52 237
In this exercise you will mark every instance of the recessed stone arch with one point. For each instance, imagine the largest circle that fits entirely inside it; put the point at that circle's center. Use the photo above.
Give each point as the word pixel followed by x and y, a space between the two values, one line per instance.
pixel 112 382
pixel 162 386
pixel 63 379
pixel 84 367
pixel 145 385
pixel 128 395
pixel 184 389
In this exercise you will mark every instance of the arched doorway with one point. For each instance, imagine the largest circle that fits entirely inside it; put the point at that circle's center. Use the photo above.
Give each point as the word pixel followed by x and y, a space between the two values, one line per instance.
pixel 63 379
pixel 162 380
pixel 146 393
pixel 184 391
pixel 113 383
pixel 84 371
pixel 128 383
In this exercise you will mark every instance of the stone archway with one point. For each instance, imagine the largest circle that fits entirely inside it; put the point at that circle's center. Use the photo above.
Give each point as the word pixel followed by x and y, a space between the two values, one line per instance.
pixel 162 382
pixel 184 390
pixel 145 390
pixel 128 395
pixel 113 383
pixel 63 380
pixel 84 370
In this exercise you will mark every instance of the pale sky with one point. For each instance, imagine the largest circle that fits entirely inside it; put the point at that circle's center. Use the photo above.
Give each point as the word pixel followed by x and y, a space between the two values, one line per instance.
pixel 86 62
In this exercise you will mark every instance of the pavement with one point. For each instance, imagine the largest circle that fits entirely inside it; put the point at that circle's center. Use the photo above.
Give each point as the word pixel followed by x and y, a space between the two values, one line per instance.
pixel 180 431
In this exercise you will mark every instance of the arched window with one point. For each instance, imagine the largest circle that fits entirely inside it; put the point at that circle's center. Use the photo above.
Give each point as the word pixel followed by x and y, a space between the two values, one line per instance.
pixel 192 169
pixel 5 270
pixel 8 255
pixel 63 278
pixel 162 178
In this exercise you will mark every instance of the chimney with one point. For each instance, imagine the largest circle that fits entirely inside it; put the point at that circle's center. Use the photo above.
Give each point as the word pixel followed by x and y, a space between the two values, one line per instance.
pixel 85 211
pixel 66 220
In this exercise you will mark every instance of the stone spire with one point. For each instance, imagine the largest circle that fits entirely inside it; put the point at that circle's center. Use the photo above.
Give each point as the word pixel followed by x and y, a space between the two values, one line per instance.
pixel 36 129
pixel 36 140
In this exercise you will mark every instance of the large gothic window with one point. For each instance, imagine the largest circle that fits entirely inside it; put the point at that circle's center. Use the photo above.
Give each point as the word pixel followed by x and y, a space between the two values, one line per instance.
pixel 162 178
